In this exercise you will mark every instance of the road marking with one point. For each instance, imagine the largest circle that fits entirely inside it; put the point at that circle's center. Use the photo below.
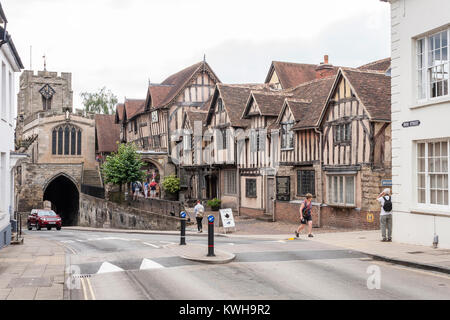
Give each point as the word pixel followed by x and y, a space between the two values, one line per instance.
pixel 150 244
pixel 90 289
pixel 67 241
pixel 231 244
pixel 107 267
pixel 167 242
pixel 84 289
pixel 150 264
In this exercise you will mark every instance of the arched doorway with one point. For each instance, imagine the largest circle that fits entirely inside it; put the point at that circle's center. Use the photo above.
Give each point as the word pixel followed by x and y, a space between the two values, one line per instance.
pixel 64 196
pixel 152 171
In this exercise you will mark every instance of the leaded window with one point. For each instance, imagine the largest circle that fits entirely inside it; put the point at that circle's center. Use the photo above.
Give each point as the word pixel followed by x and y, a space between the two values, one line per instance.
pixel 305 182
pixel 230 182
pixel 66 139
pixel 250 188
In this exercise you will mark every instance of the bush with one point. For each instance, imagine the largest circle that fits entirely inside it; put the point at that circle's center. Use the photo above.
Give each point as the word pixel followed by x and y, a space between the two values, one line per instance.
pixel 214 204
pixel 171 184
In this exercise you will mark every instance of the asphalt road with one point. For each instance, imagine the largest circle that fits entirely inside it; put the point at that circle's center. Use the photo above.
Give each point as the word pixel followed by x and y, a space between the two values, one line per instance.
pixel 138 266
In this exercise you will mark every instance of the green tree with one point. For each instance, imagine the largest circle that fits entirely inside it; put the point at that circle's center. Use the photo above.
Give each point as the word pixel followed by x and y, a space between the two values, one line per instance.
pixel 124 166
pixel 103 101
pixel 171 184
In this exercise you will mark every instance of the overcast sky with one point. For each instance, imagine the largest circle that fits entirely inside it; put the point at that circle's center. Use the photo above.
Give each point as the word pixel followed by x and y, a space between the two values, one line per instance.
pixel 121 44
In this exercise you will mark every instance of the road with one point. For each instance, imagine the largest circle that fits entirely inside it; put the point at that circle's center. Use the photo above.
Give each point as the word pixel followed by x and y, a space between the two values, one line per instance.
pixel 139 266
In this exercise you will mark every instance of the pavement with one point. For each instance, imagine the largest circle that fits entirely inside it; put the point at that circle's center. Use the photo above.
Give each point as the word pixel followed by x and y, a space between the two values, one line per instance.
pixel 32 271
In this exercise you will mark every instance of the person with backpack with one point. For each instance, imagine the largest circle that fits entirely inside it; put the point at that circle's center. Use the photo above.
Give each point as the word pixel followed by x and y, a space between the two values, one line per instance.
pixel 305 216
pixel 385 200
pixel 199 209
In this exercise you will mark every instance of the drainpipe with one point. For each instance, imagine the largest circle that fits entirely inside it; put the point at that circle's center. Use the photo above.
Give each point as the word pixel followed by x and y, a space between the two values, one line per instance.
pixel 321 178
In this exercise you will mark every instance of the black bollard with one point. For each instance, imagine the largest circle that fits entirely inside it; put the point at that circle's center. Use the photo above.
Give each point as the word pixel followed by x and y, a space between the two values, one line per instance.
pixel 211 236
pixel 183 229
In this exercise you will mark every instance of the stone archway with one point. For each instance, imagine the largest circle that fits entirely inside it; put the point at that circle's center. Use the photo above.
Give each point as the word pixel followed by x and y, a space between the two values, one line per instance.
pixel 64 195
pixel 153 170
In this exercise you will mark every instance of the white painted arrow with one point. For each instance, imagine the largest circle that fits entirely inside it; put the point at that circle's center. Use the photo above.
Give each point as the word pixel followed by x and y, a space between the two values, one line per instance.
pixel 108 267
pixel 150 264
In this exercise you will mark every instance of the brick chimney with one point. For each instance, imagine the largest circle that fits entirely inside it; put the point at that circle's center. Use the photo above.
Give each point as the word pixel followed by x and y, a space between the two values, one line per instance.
pixel 324 69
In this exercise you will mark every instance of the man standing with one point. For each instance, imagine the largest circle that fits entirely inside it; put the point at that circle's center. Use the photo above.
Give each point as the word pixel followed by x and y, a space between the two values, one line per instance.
pixel 386 214
pixel 305 216
pixel 198 210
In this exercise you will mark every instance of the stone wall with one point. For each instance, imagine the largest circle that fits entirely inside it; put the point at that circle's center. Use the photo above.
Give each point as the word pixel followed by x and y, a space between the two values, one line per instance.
pixel 32 180
pixel 99 213
pixel 349 218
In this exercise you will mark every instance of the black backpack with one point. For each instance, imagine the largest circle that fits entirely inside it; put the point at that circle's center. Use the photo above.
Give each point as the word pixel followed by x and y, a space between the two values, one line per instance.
pixel 387 206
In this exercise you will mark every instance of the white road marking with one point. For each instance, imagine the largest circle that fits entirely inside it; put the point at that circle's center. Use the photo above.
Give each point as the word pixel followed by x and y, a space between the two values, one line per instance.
pixel 84 289
pixel 167 242
pixel 67 241
pixel 231 244
pixel 150 264
pixel 90 289
pixel 108 267
pixel 150 244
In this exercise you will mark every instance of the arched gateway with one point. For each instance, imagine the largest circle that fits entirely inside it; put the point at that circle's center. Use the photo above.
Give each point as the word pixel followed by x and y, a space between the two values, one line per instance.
pixel 64 195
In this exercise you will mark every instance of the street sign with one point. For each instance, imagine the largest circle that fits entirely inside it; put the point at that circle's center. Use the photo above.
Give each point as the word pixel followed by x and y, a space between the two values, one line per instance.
pixel 211 219
pixel 183 214
pixel 227 218
pixel 386 183
pixel 413 123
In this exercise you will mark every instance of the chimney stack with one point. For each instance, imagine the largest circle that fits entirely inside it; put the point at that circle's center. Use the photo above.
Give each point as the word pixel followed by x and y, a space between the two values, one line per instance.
pixel 325 59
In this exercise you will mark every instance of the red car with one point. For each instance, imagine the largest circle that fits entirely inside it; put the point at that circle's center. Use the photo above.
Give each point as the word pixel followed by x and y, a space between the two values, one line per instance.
pixel 43 219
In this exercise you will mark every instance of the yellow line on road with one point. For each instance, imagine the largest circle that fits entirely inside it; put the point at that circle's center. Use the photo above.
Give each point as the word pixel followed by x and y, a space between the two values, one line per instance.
pixel 84 289
pixel 90 289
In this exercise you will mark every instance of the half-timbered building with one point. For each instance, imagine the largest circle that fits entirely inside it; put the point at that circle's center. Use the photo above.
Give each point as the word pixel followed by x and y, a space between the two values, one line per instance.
pixel 299 149
pixel 257 161
pixel 224 140
pixel 356 147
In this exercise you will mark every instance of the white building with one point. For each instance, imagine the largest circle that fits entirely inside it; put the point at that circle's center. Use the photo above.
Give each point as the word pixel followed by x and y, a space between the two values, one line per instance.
pixel 420 120
pixel 10 63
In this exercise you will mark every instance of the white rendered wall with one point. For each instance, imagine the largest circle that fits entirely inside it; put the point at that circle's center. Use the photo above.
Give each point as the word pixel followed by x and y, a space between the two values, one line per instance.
pixel 412 19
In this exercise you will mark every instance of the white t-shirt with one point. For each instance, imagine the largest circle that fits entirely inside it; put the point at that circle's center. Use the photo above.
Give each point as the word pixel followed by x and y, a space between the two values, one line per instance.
pixel 199 208
pixel 381 201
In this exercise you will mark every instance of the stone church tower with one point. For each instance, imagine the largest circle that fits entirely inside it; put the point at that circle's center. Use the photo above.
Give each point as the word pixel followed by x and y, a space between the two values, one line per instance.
pixel 60 145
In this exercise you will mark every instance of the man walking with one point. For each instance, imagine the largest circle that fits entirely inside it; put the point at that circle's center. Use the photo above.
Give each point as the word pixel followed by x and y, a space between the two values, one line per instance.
pixel 386 214
pixel 305 216
pixel 198 210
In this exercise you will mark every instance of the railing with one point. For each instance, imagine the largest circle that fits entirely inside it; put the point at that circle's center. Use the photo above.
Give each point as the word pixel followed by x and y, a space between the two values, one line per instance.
pixel 93 191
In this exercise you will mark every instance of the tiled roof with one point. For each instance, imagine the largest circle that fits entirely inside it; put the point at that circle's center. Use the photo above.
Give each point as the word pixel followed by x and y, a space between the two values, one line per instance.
pixel 234 97
pixel 174 84
pixel 133 107
pixel 269 103
pixel 382 65
pixel 158 94
pixel 293 74
pixel 301 111
pixel 316 92
pixel 374 91
pixel 119 112
pixel 107 132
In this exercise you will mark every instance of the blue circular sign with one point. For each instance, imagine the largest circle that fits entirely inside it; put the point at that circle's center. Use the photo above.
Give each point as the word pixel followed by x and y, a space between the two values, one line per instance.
pixel 183 214
pixel 211 218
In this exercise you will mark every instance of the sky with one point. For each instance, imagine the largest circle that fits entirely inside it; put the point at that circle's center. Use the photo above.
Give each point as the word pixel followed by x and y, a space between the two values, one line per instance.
pixel 122 44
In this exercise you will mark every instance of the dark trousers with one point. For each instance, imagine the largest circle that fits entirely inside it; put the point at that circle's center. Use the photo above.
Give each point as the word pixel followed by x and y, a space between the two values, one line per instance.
pixel 199 223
